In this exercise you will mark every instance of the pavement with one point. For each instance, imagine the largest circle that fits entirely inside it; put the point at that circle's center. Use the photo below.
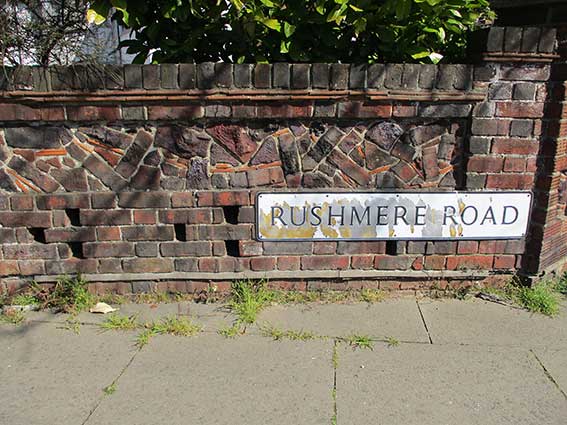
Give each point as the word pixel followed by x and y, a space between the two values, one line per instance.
pixel 457 362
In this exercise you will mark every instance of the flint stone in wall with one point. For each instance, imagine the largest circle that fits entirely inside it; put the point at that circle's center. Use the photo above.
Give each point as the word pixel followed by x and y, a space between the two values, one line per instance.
pixel 182 141
pixel 34 138
pixel 74 180
pixel 316 180
pixel 220 156
pixel 289 154
pixel 235 139
pixel 375 158
pixel 6 182
pixel 325 144
pixel 22 167
pixel 267 153
pixel 108 136
pixel 424 133
pixel 197 175
pixel 384 134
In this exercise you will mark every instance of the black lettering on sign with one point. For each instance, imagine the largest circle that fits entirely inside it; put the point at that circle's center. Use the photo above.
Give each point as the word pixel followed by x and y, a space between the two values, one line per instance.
pixel 354 212
pixel 419 215
pixel 315 215
pixel 400 216
pixel 469 208
pixel 379 221
pixel 341 215
pixel 504 214
pixel 449 212
pixel 489 216
pixel 293 216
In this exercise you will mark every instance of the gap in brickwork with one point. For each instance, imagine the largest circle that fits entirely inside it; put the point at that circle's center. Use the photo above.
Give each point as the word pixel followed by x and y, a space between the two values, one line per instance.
pixel 232 249
pixel 38 234
pixel 391 247
pixel 76 249
pixel 180 232
pixel 231 214
pixel 74 216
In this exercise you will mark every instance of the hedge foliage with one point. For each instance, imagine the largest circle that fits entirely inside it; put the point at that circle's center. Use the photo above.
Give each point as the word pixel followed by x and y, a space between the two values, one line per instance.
pixel 355 31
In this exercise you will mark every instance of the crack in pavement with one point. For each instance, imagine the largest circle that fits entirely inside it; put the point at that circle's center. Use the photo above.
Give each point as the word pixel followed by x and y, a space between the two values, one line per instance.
pixel 423 321
pixel 548 374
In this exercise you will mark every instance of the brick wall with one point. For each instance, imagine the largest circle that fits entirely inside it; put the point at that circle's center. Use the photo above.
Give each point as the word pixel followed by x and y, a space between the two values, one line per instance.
pixel 140 176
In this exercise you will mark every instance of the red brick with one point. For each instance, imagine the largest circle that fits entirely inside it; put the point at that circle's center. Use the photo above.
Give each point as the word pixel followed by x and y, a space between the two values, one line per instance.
pixel 405 110
pixel 492 247
pixel 510 181
pixel 60 202
pixel 227 198
pixel 263 263
pixel 21 203
pixel 316 262
pixel 103 200
pixel 288 263
pixel 208 265
pixel 189 216
pixel 93 113
pixel 467 247
pixel 227 264
pixel 515 146
pixel 362 262
pixel 485 164
pixel 31 267
pixel 519 109
pixel 182 199
pixel 175 112
pixel 364 110
pixel 417 263
pixel 147 233
pixel 71 265
pixel 435 262
pixel 504 261
pixel 25 219
pixel 470 262
pixel 8 268
pixel 145 217
pixel 514 165
pixel 108 233
pixel 108 249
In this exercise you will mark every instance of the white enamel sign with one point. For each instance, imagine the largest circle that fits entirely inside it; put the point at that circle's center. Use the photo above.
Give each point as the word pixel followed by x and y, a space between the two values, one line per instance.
pixel 392 216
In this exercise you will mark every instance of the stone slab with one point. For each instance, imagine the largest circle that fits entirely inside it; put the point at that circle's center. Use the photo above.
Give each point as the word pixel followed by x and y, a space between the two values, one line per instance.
pixel 481 322
pixel 555 362
pixel 53 376
pixel 430 385
pixel 398 318
pixel 208 379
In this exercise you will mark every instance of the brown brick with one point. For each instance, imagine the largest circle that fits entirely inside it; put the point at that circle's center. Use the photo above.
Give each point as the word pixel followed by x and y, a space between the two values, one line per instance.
pixel 226 232
pixel 30 252
pixel 485 164
pixel 467 247
pixel 263 263
pixel 145 217
pixel 60 202
pixel 322 248
pixel 148 233
pixel 288 248
pixel 325 262
pixel 147 265
pixel 186 249
pixel 21 203
pixel 74 234
pixel 352 247
pixel 31 267
pixel 25 219
pixel 8 268
pixel 143 200
pixel 363 262
pixel 519 109
pixel 250 248
pixel 72 265
pixel 515 146
pixel 91 218
pixel 220 199
pixel 158 112
pixel 182 199
pixel 470 262
pixel 510 181
pixel 288 263
pixel 93 113
pixel 504 261
pixel 389 262
pixel 108 233
pixel 103 200
pixel 108 249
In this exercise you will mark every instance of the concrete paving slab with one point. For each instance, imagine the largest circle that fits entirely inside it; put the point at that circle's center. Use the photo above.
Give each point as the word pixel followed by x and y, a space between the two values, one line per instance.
pixel 555 362
pixel 398 318
pixel 430 385
pixel 212 380
pixel 481 322
pixel 211 316
pixel 53 376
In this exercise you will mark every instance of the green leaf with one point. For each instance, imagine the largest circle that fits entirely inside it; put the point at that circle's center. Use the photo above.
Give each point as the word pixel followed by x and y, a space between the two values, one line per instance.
pixel 435 57
pixel 356 9
pixel 97 16
pixel 421 55
pixel 272 24
pixel 288 29
pixel 267 3
pixel 284 46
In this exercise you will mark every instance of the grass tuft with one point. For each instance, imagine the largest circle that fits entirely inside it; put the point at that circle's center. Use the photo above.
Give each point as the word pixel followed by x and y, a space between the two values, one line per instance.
pixel 231 331
pixel 541 298
pixel 111 389
pixel 172 325
pixel 561 286
pixel 277 334
pixel 248 298
pixel 13 316
pixel 360 341
pixel 24 299
pixel 120 322
pixel 392 342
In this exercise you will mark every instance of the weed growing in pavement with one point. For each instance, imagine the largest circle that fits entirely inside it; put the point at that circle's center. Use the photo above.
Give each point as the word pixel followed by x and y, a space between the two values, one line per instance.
pixel 541 298
pixel 73 325
pixel 111 389
pixel 231 331
pixel 69 295
pixel 277 334
pixel 120 322
pixel 372 295
pixel 248 298
pixel 392 342
pixel 335 358
pixel 24 299
pixel 561 286
pixel 360 341
pixel 172 325
pixel 13 316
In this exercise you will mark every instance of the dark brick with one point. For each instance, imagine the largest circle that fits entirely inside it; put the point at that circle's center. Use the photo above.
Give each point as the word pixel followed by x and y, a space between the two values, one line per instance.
pixel 495 41
pixel 135 153
pixel 288 248
pixel 147 265
pixel 108 249
pixel 206 75
pixel 223 74
pixel 148 233
pixel 300 76
pixel 25 219
pixel 513 39
pixel 427 76
pixel 548 40
pixel 480 145
pixel 243 75
pixel 262 76
pixel 320 75
pixel 187 76
pixel 150 75
pixel 357 77
pixel 105 218
pixel 281 77
pixel 62 201
pixel 524 91
pixel 410 77
pixel 143 200
pixel 376 74
pixel 446 110
pixel 73 234
pixel 169 75
pixel 30 252
pixel 186 265
pixel 530 39
pixel 103 200
pixel 393 75
pixel 33 138
pixel 339 76
pixel 104 172
pixel 186 249
pixel 521 128
pixel 133 76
